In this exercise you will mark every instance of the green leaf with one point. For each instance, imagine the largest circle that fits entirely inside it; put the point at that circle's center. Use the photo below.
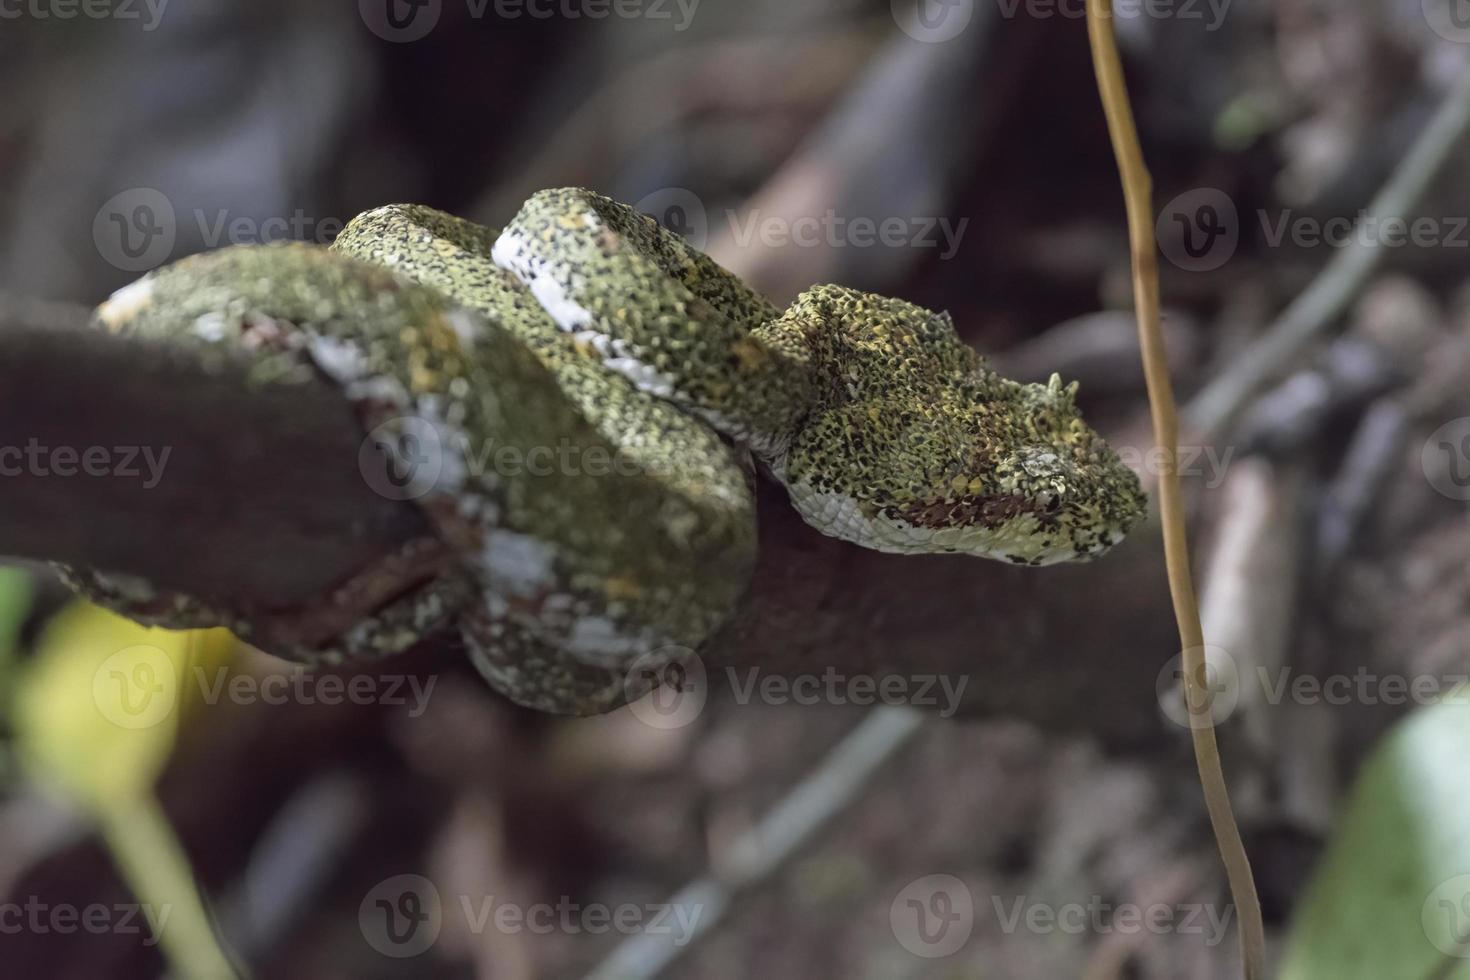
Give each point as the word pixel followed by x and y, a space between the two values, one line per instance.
pixel 15 602
pixel 1391 897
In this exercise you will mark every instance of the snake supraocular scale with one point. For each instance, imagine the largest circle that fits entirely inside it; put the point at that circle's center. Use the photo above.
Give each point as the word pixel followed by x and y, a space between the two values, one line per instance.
pixel 643 376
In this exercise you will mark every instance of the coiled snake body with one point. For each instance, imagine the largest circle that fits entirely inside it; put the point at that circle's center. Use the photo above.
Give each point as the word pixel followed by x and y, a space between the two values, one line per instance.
pixel 587 334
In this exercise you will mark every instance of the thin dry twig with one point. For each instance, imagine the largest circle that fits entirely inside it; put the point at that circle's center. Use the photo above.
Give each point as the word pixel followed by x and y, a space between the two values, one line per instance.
pixel 1138 193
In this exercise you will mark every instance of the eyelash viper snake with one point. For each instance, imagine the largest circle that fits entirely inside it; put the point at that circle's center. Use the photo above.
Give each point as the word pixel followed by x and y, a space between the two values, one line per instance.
pixel 587 332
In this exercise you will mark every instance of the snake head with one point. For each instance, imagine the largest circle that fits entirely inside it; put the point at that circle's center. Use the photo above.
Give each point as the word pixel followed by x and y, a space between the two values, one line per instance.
pixel 915 446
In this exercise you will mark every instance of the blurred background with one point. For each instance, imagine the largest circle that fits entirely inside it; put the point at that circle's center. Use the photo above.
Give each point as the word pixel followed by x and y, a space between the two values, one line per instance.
pixel 404 821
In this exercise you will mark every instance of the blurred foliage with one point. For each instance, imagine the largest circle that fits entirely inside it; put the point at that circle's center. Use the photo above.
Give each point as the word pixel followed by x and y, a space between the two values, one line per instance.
pixel 97 715
pixel 15 602
pixel 1391 897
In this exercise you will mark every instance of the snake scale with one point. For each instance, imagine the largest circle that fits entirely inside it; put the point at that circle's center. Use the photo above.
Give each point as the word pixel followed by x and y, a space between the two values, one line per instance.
pixel 645 378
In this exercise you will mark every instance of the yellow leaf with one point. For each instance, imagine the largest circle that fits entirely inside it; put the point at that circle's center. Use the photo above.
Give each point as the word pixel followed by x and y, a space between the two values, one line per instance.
pixel 97 709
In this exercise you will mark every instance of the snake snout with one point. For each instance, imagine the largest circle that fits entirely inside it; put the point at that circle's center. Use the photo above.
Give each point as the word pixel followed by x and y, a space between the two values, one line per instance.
pixel 1080 493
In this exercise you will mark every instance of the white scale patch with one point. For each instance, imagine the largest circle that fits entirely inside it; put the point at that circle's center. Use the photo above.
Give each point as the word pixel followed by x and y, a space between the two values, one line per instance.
pixel 597 640
pixel 517 564
pixel 466 326
pixel 211 327
pixel 341 360
pixel 645 377
pixel 126 303
pixel 513 253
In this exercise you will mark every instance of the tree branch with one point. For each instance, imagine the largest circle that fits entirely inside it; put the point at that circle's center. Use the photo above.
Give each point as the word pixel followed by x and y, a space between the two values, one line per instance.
pixel 198 480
